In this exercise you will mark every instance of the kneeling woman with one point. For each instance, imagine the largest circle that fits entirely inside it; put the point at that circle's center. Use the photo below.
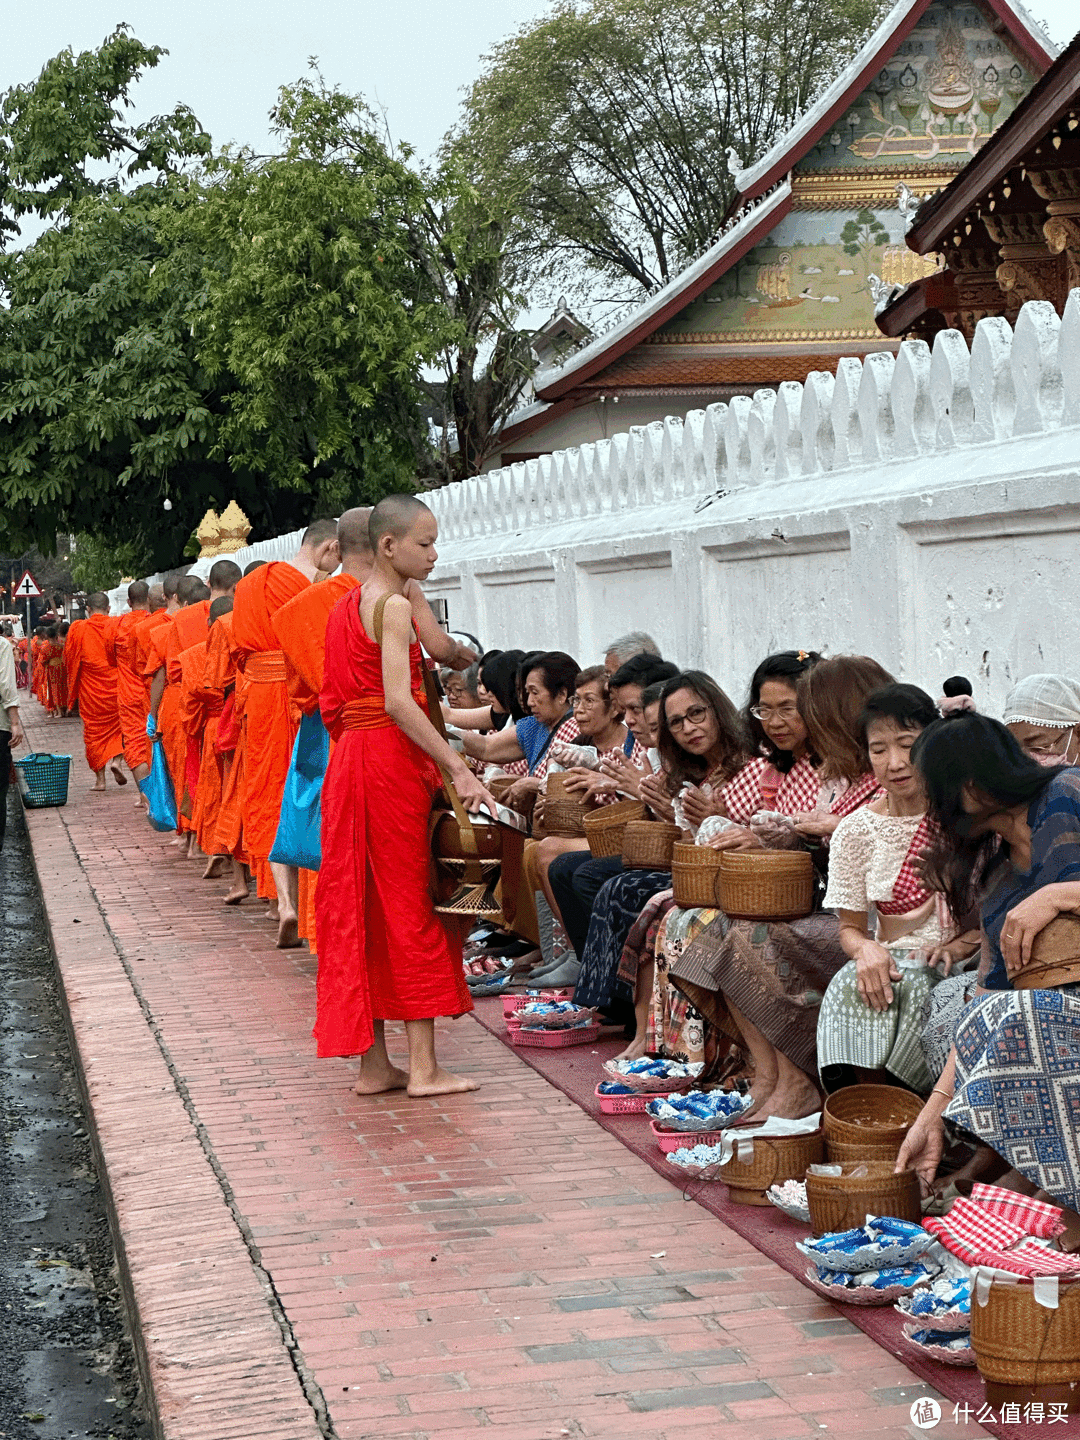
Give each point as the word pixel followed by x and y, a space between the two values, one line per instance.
pixel 1011 833
pixel 870 1017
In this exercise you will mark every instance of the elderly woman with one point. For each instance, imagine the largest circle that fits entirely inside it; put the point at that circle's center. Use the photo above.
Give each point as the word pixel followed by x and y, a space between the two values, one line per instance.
pixel 781 779
pixel 894 929
pixel 702 746
pixel 764 981
pixel 1011 836
pixel 1042 713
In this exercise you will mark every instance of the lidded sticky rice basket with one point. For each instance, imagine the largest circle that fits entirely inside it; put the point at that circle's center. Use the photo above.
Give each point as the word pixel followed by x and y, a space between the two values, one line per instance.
pixel 1055 956
pixel 695 876
pixel 605 827
pixel 842 1202
pixel 648 845
pixel 768 1160
pixel 869 1122
pixel 766 884
pixel 1026 1351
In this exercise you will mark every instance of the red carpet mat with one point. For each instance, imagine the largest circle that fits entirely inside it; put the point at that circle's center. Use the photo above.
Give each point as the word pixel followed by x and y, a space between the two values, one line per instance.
pixel 577 1070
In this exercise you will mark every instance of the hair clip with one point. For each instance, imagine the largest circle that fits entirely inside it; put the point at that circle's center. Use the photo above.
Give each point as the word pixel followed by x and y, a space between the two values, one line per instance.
pixel 804 655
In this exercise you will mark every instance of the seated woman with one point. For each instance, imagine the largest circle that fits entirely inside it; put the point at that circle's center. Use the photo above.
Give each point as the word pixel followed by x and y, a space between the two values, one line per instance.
pixel 702 746
pixel 1042 712
pixel 1010 835
pixel 600 728
pixel 782 778
pixel 761 981
pixel 548 684
pixel 870 1018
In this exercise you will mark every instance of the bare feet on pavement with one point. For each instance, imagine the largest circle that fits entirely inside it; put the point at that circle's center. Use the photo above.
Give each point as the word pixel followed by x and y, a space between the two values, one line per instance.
pixel 441 1082
pixel 377 1080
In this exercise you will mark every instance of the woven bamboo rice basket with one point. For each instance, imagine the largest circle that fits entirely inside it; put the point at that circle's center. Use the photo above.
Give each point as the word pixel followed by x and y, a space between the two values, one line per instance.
pixel 565 818
pixel 605 828
pixel 842 1202
pixel 1055 957
pixel 868 1122
pixel 766 884
pixel 1025 1351
pixel 695 876
pixel 648 845
pixel 501 786
pixel 555 786
pixel 775 1158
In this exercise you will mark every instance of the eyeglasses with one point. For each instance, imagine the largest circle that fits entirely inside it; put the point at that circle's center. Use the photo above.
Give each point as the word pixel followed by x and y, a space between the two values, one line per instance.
pixel 586 702
pixel 696 715
pixel 775 712
pixel 1051 747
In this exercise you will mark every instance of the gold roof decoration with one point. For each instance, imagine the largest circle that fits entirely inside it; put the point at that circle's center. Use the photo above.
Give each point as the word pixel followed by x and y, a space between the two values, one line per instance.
pixel 233 529
pixel 206 532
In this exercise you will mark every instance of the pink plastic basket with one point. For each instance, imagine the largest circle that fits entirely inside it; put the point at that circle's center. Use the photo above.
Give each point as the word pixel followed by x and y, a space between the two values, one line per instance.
pixel 516 1002
pixel 622 1104
pixel 670 1140
pixel 553 1039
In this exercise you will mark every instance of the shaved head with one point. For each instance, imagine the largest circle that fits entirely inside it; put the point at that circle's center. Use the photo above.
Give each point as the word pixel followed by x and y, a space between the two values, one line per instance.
pixel 318 533
pixel 98 603
pixel 191 590
pixel 255 565
pixel 171 581
pixel 221 606
pixel 223 575
pixel 156 598
pixel 352 534
pixel 396 515
pixel 138 594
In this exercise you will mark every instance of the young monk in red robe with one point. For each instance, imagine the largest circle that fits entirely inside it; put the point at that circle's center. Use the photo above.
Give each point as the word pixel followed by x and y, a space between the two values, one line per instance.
pixel 91 662
pixel 223 684
pixel 269 731
pixel 130 688
pixel 55 676
pixel 383 952
pixel 200 711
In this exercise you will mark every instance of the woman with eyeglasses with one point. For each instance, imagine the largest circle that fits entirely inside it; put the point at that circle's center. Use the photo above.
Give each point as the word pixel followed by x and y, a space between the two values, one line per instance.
pixel 781 779
pixel 763 982
pixel 702 746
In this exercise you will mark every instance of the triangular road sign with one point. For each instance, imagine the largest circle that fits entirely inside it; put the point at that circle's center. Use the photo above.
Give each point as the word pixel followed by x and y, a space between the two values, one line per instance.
pixel 27 587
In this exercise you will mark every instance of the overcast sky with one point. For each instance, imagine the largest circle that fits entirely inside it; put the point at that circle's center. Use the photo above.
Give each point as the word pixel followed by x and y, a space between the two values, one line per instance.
pixel 228 57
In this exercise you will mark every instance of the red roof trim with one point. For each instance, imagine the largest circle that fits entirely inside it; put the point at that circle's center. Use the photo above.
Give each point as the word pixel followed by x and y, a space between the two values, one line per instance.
pixel 1040 58
pixel 562 384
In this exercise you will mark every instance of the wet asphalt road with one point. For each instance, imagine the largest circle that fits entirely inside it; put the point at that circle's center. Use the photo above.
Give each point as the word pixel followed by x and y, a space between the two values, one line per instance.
pixel 66 1364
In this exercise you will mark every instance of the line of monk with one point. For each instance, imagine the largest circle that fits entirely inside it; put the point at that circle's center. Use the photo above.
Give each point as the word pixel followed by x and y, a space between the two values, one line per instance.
pixel 220 676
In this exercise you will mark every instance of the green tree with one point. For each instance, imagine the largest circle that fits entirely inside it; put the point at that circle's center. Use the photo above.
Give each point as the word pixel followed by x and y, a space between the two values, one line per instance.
pixel 606 123
pixel 861 236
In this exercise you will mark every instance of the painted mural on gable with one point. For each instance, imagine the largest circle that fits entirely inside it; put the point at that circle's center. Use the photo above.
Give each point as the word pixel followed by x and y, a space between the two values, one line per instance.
pixel 939 97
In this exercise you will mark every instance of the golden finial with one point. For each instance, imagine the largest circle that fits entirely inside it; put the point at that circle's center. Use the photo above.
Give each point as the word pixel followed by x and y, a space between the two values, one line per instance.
pixel 206 532
pixel 233 529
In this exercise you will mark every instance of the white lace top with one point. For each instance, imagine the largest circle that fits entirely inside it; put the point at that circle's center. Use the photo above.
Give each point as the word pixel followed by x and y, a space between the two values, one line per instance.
pixel 865 857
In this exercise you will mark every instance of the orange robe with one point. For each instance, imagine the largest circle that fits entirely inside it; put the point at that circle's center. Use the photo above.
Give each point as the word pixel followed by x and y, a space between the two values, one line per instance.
pixel 193 718
pixel 91 663
pixel 55 677
pixel 168 721
pixel 221 682
pixel 37 666
pixel 188 628
pixel 70 649
pixel 269 731
pixel 131 693
pixel 300 627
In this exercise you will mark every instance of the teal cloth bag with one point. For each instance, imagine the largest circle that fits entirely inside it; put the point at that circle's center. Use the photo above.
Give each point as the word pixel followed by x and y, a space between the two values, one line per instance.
pixel 158 789
pixel 297 839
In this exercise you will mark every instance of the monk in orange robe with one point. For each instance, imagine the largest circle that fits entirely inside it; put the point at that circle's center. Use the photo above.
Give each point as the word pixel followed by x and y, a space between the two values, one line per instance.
pixel 90 655
pixel 269 731
pixel 22 662
pixel 54 674
pixel 37 664
pixel 223 683
pixel 130 686
pixel 384 953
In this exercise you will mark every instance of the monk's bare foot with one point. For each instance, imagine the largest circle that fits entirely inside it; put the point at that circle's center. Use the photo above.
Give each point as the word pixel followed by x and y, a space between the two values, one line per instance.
pixel 140 803
pixel 117 773
pixel 441 1083
pixel 634 1051
pixel 378 1081
pixel 272 911
pixel 97 787
pixel 288 935
pixel 236 894
pixel 215 867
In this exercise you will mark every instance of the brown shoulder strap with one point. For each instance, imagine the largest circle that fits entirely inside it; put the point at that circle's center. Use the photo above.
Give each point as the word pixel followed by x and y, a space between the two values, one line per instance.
pixel 377 619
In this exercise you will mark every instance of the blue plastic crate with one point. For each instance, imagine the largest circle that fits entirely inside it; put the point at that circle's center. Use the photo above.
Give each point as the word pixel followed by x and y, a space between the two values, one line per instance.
pixel 43 780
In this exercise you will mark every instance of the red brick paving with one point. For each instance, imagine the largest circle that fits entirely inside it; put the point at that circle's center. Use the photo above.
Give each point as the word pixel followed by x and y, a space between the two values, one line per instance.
pixel 304 1263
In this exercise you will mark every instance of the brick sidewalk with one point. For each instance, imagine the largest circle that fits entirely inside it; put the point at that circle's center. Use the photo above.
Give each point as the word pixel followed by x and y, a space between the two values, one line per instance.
pixel 305 1263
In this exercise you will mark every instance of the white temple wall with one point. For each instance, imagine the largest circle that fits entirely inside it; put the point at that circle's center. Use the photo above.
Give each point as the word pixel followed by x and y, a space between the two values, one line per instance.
pixel 925 512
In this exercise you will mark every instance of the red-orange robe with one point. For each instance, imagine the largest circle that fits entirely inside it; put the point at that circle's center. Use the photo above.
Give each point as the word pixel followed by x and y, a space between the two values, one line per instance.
pixel 55 677
pixel 221 682
pixel 168 721
pixel 131 693
pixel 70 650
pixel 37 670
pixel 301 630
pixel 91 662
pixel 188 628
pixel 22 660
pixel 383 952
pixel 269 731
pixel 193 718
